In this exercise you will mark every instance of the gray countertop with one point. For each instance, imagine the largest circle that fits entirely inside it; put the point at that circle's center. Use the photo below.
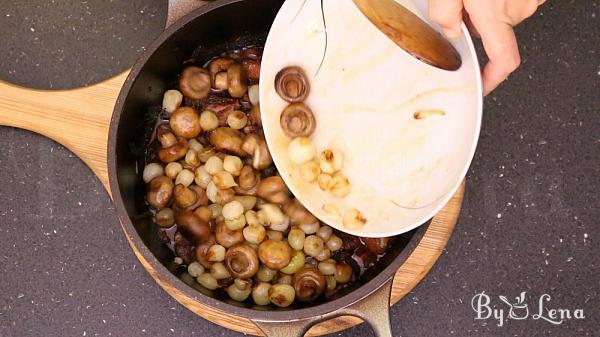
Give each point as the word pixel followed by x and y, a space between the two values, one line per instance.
pixel 529 223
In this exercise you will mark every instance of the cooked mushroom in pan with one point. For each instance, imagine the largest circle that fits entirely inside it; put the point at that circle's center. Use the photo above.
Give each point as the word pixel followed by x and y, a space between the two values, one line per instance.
pixel 219 203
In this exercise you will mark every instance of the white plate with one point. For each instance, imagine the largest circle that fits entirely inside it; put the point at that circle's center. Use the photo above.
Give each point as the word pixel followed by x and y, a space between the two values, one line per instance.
pixel 364 96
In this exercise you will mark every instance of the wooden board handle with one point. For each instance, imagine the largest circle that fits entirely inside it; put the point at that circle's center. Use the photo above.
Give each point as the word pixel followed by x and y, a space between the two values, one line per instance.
pixel 78 119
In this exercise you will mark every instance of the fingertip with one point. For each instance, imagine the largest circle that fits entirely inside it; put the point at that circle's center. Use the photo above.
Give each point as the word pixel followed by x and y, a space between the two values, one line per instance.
pixel 452 33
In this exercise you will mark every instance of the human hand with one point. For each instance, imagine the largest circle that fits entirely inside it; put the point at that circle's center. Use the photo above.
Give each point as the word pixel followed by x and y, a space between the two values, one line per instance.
pixel 493 21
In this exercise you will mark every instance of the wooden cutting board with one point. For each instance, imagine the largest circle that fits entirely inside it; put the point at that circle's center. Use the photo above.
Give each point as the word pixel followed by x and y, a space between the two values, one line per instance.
pixel 79 119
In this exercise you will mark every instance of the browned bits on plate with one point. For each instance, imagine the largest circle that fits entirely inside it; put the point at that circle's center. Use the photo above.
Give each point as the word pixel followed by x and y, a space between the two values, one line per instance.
pixel 292 84
pixel 194 82
pixel 426 113
pixel 297 120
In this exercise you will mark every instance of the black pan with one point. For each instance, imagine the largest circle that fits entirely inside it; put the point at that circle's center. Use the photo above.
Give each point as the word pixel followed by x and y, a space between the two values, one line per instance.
pixel 202 34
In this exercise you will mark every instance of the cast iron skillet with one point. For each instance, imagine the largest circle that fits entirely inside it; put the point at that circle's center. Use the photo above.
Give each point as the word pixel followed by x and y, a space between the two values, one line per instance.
pixel 206 32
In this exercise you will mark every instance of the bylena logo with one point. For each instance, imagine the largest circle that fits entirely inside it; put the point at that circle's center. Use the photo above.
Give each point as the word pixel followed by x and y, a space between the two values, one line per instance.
pixel 519 309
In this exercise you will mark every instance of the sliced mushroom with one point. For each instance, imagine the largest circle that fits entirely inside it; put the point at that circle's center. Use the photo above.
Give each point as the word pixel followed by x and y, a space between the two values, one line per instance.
pixel 194 82
pixel 297 120
pixel 242 261
pixel 237 80
pixel 309 284
pixel 292 84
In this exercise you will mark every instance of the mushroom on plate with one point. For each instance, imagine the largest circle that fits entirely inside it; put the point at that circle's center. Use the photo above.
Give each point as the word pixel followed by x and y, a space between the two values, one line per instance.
pixel 291 84
pixel 297 120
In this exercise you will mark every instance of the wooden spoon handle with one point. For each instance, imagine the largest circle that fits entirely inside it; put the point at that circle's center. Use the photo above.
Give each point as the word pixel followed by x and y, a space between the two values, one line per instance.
pixel 410 33
pixel 79 118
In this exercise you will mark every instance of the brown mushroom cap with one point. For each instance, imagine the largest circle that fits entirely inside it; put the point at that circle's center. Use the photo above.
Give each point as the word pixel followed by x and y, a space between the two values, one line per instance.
pixel 227 140
pixel 194 82
pixel 274 254
pixel 292 84
pixel 194 228
pixel 273 189
pixel 160 191
pixel 185 122
pixel 242 261
pixel 237 80
pixel 173 153
pixel 297 120
pixel 298 213
pixel 226 237
pixel 309 284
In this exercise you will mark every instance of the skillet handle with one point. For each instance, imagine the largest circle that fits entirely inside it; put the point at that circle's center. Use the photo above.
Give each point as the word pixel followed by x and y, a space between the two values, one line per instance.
pixel 179 8
pixel 373 309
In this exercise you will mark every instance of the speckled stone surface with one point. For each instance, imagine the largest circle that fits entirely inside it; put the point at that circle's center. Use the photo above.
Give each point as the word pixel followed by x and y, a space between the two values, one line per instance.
pixel 530 219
